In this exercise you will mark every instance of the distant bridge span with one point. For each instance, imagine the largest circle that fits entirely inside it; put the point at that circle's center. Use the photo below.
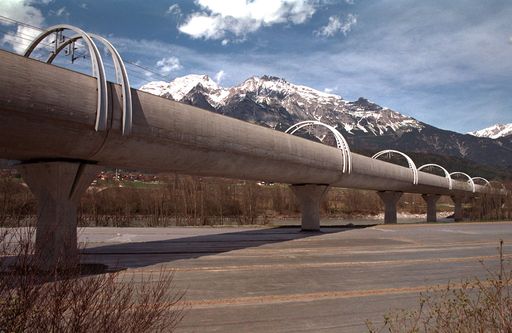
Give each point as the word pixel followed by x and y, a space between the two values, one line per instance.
pixel 48 117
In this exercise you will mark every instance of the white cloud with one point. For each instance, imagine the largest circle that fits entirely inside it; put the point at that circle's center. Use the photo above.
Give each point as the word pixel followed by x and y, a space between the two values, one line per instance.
pixel 23 11
pixel 174 10
pixel 451 57
pixel 219 76
pixel 336 25
pixel 217 18
pixel 20 10
pixel 62 12
pixel 168 65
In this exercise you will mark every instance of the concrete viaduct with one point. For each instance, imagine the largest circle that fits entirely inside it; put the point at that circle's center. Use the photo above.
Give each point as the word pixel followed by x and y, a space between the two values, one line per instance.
pixel 64 127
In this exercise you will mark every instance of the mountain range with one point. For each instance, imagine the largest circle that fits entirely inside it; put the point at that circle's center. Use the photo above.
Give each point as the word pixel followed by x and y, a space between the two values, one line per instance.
pixel 368 127
pixel 494 132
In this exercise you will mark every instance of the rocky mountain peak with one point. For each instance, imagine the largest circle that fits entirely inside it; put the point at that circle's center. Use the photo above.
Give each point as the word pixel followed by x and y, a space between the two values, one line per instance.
pixel 274 102
pixel 187 87
pixel 494 132
pixel 365 104
pixel 270 100
pixel 272 78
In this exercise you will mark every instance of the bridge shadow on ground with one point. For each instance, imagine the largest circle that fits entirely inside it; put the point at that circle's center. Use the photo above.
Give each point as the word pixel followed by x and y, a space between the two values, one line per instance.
pixel 147 253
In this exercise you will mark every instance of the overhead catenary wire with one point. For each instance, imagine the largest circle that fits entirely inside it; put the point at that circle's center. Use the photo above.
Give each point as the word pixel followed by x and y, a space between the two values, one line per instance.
pixel 30 38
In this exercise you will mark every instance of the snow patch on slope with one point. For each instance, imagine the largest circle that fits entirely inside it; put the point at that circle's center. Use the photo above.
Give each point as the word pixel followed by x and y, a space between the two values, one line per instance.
pixel 273 94
pixel 494 132
pixel 181 86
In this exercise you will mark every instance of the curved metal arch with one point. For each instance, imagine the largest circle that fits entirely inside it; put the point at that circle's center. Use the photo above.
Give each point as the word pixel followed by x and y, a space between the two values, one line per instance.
pixel 121 76
pixel 487 183
pixel 409 160
pixel 446 173
pixel 470 180
pixel 341 143
pixel 97 65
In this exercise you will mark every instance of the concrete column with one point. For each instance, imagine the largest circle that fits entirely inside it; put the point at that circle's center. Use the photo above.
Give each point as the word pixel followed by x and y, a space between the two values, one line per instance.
pixel 390 199
pixel 457 208
pixel 310 196
pixel 57 187
pixel 431 200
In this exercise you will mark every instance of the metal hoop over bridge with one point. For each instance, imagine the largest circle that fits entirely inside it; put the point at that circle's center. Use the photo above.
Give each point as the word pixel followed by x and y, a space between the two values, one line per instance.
pixel 487 183
pixel 341 143
pixel 470 180
pixel 409 160
pixel 98 70
pixel 446 173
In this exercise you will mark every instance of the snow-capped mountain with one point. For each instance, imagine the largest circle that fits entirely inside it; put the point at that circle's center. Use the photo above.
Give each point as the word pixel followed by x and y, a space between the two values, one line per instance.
pixel 276 103
pixel 180 87
pixel 494 132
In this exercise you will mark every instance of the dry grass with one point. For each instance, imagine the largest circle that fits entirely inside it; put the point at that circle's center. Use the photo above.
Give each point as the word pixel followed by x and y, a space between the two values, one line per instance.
pixel 67 301
pixel 474 306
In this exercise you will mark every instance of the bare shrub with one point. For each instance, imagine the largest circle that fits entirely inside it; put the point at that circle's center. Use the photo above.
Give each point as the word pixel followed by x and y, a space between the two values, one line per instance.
pixel 32 300
pixel 412 203
pixel 15 201
pixel 353 202
pixel 490 207
pixel 195 201
pixel 473 306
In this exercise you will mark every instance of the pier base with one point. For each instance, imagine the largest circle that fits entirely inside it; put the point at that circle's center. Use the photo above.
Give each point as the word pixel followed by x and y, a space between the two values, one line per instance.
pixel 57 187
pixel 390 199
pixel 310 196
pixel 431 200
pixel 457 208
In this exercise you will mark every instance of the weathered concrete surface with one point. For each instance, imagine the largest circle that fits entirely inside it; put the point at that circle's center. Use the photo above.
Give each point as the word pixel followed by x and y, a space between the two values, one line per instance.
pixel 390 200
pixel 57 187
pixel 282 280
pixel 457 207
pixel 310 197
pixel 431 200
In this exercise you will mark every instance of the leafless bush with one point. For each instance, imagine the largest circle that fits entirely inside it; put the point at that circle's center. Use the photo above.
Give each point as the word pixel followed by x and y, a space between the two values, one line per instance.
pixel 412 203
pixel 186 200
pixel 352 202
pixel 473 306
pixel 16 201
pixel 32 300
pixel 490 207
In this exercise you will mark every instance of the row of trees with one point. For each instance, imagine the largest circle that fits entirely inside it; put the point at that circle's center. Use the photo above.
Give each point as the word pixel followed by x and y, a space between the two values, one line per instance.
pixel 187 200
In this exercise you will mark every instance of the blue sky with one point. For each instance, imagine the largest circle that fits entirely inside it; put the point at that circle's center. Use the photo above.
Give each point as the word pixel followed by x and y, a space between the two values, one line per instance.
pixel 447 63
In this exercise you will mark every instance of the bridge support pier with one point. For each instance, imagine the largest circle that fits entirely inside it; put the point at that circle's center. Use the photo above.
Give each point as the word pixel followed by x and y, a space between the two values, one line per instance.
pixel 457 208
pixel 310 197
pixel 431 200
pixel 57 187
pixel 390 199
